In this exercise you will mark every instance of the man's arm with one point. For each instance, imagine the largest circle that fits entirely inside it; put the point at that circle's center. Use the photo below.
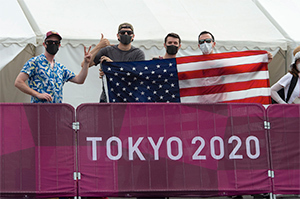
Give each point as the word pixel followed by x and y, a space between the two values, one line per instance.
pixel 103 43
pixel 21 85
pixel 80 78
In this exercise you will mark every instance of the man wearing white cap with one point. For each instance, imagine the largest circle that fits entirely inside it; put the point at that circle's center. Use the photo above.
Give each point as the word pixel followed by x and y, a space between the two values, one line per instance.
pixel 286 81
pixel 45 76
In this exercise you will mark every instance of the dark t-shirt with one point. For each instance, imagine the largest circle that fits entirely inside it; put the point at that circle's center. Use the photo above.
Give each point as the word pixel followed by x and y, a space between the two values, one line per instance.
pixel 117 55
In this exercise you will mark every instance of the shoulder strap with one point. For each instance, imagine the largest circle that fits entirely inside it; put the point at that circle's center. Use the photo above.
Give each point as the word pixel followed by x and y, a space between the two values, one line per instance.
pixel 292 87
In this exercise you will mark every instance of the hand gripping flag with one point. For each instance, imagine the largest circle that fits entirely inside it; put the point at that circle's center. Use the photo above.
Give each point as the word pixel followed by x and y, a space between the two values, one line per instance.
pixel 224 77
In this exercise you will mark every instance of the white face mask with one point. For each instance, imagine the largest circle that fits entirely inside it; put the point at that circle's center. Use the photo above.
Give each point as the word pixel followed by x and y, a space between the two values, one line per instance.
pixel 206 48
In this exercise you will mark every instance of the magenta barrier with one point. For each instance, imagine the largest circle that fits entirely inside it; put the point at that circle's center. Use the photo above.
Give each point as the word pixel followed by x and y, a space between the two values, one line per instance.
pixel 37 154
pixel 284 144
pixel 171 149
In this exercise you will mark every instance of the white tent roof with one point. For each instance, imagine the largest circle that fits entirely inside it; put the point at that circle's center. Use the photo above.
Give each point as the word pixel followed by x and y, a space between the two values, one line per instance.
pixel 284 15
pixel 15 28
pixel 239 24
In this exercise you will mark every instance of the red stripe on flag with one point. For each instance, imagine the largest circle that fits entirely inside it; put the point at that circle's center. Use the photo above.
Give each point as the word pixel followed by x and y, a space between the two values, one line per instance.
pixel 258 99
pixel 223 71
pixel 216 56
pixel 229 87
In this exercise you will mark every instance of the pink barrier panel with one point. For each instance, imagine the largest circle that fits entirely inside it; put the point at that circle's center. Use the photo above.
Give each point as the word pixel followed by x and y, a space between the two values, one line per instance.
pixel 284 146
pixel 37 154
pixel 170 149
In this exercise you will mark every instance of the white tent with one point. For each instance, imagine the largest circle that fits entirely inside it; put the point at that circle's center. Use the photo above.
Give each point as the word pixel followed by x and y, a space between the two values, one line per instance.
pixel 236 25
pixel 284 15
pixel 17 40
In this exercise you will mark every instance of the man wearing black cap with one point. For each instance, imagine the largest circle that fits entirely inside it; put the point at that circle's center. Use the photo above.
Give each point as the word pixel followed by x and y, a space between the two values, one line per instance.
pixel 45 76
pixel 121 52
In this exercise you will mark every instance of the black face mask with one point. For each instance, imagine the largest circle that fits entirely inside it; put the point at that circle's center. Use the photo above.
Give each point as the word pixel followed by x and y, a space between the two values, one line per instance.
pixel 172 50
pixel 125 39
pixel 52 48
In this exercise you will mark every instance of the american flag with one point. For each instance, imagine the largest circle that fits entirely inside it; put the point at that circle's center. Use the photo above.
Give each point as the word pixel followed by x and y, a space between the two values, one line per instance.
pixel 224 77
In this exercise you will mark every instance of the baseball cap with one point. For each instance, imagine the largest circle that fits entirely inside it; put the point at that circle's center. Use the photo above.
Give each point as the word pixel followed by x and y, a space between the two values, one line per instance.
pixel 125 25
pixel 50 33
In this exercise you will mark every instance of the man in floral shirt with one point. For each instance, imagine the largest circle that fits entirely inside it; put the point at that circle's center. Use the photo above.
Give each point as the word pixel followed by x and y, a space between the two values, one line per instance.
pixel 45 76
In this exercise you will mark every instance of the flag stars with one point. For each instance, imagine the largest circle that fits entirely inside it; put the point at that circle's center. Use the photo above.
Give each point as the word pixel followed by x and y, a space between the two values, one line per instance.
pixel 129 83
pixel 173 96
pixel 136 98
pixel 136 88
pixel 159 76
pixel 124 89
pixel 160 86
pixel 149 98
pixel 154 92
pixel 121 69
pixel 153 72
pixel 128 74
pixel 153 82
pixel 130 93
pixel 109 69
pixel 166 80
pixel 165 70
pixel 158 66
pixel 171 74
pixel 148 87
pixel 141 83
pixel 111 79
pixel 141 73
pixel 125 99
pixel 161 97
pixel 117 84
pixel 116 74
pixel 167 91
pixel 123 78
pixel 146 68
pixel 142 93
pixel 172 85
pixel 170 64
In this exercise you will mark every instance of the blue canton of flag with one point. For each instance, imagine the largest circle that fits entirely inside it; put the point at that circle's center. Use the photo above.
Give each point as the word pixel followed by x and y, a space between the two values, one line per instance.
pixel 142 81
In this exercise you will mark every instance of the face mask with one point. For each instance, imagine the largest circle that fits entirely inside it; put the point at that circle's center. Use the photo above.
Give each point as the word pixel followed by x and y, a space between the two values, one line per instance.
pixel 52 48
pixel 206 48
pixel 125 39
pixel 172 50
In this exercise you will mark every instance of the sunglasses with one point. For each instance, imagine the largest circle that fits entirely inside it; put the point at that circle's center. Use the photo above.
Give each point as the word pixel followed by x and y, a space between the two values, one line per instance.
pixel 128 32
pixel 205 40
pixel 52 42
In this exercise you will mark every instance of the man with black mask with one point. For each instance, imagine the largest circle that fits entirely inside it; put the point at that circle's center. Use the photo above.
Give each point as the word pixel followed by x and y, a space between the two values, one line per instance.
pixel 121 52
pixel 45 76
pixel 172 45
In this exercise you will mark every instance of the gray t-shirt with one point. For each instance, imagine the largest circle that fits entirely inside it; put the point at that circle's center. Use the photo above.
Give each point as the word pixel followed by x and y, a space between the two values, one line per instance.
pixel 117 55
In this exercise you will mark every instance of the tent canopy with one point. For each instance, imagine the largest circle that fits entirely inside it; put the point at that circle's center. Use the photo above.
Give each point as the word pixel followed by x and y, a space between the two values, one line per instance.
pixel 239 24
